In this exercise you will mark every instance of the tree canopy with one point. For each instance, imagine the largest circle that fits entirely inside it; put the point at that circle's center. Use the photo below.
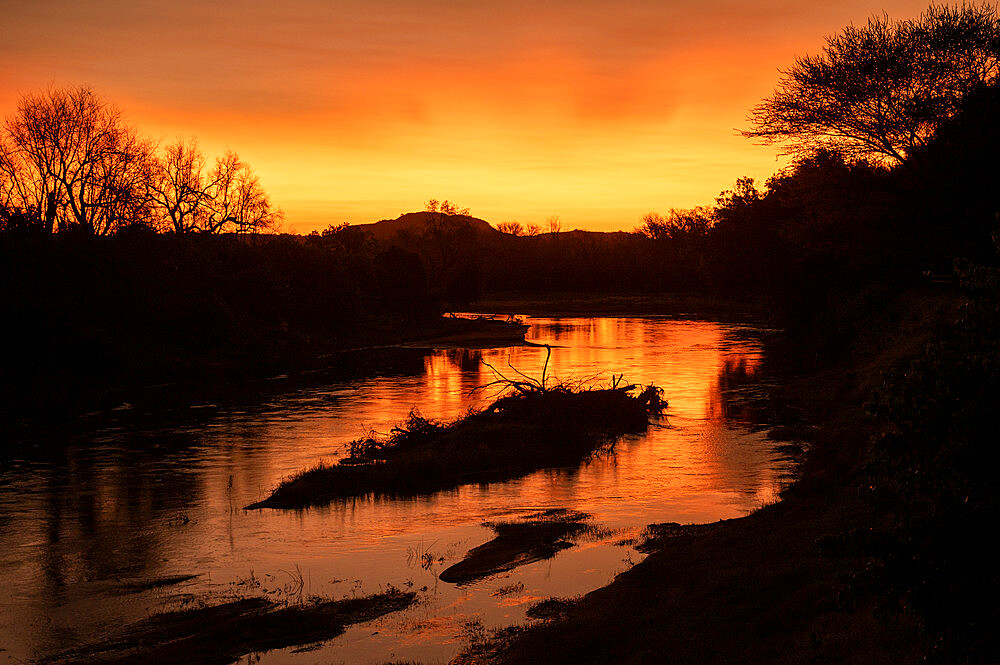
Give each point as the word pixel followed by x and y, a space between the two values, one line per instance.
pixel 879 91
pixel 70 161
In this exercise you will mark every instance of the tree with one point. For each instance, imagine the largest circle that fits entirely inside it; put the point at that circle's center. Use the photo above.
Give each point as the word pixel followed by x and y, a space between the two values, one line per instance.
pixel 179 187
pixel 511 228
pixel 238 202
pixel 879 91
pixel 227 198
pixel 679 225
pixel 732 201
pixel 445 207
pixel 70 159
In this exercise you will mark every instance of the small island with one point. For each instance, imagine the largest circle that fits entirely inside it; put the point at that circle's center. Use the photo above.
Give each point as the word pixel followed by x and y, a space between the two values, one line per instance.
pixel 532 426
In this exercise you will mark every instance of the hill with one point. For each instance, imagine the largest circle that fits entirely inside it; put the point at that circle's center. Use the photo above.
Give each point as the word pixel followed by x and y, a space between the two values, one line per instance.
pixel 418 223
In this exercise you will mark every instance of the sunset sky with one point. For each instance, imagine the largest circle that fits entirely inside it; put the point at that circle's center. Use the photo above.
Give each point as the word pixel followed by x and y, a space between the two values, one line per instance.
pixel 359 110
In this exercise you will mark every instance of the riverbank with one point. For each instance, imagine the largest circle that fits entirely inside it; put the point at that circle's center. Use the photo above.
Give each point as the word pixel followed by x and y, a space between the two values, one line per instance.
pixel 680 305
pixel 166 379
pixel 222 633
pixel 773 587
pixel 98 320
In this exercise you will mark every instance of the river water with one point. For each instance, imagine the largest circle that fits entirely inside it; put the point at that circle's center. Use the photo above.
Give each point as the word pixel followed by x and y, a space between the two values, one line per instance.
pixel 88 518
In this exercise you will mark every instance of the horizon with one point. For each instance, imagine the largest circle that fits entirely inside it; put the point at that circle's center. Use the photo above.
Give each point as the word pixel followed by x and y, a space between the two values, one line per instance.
pixel 592 113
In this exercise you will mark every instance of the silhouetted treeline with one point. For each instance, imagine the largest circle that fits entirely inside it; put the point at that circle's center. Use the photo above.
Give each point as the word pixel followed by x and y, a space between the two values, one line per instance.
pixel 70 162
pixel 818 244
pixel 818 232
pixel 86 313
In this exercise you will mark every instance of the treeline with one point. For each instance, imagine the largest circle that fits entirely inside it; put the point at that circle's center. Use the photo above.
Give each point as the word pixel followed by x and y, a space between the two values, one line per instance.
pixel 86 317
pixel 819 231
pixel 70 162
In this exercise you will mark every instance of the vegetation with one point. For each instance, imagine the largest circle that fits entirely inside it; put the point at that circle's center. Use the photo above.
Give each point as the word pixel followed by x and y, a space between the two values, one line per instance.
pixel 880 552
pixel 535 426
pixel 69 161
pixel 90 317
pixel 881 90
pixel 221 634
pixel 868 245
pixel 930 472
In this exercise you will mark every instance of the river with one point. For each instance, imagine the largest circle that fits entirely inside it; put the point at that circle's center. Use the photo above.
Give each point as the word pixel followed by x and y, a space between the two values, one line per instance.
pixel 88 517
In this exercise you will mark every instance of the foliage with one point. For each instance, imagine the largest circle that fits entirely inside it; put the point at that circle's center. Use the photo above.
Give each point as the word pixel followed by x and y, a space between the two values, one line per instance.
pixel 678 226
pixel 931 472
pixel 445 207
pixel 881 90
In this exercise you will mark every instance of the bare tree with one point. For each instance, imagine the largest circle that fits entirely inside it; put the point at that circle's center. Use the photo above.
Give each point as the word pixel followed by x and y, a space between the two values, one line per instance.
pixel 554 225
pixel 69 160
pixel 238 202
pixel 511 228
pixel 26 191
pixel 180 188
pixel 72 159
pixel 880 90
pixel 228 198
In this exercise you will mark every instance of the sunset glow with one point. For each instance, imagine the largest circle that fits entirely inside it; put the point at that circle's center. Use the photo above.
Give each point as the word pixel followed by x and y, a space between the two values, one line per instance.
pixel 356 111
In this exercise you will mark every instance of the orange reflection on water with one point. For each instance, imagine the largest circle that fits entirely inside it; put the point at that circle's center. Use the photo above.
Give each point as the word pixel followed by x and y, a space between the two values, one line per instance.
pixel 145 500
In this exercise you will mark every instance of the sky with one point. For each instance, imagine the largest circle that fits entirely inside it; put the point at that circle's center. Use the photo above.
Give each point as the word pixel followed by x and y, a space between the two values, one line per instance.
pixel 595 111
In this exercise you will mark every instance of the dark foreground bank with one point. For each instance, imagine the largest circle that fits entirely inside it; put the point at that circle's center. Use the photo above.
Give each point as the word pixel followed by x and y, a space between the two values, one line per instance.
pixel 533 427
pixel 876 555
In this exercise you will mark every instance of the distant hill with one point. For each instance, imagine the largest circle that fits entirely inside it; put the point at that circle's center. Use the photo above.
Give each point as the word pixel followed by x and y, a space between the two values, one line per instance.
pixel 418 222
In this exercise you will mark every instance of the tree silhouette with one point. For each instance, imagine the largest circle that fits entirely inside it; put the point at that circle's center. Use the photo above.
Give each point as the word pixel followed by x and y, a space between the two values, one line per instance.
pixel 68 160
pixel 879 91
pixel 678 225
pixel 511 228
pixel 238 203
pixel 445 207
pixel 71 159
pixel 179 186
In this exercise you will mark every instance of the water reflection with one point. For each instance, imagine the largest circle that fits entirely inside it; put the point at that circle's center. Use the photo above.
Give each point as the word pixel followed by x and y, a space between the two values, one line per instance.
pixel 149 496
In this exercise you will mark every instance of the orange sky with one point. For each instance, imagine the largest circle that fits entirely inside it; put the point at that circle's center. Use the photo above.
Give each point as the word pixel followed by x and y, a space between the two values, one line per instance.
pixel 359 110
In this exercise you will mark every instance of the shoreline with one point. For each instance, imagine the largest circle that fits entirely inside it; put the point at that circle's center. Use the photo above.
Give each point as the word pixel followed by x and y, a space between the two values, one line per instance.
pixel 671 304
pixel 236 374
pixel 767 587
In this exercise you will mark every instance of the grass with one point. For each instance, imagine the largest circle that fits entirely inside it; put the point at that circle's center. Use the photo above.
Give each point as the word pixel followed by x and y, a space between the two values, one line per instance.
pixel 532 426
pixel 221 634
